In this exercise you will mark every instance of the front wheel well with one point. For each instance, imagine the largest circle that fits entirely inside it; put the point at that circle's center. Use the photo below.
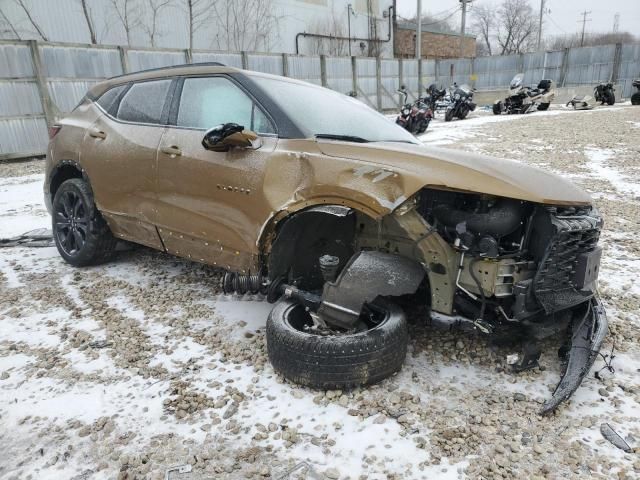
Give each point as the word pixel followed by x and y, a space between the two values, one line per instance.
pixel 62 173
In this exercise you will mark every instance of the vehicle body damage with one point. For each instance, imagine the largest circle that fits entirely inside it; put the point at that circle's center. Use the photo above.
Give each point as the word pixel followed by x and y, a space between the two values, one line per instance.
pixel 333 223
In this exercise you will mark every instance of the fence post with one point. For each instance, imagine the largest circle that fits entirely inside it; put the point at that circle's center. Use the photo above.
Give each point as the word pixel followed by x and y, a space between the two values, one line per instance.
pixel 379 83
pixel 617 63
pixel 521 63
pixel 188 55
pixel 473 72
pixel 323 70
pixel 245 60
pixel 420 76
pixel 436 71
pixel 43 91
pixel 354 75
pixel 564 67
pixel 400 73
pixel 285 65
pixel 124 59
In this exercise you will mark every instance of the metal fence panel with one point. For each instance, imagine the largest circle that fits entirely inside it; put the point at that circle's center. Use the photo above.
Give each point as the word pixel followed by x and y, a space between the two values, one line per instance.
pixel 629 68
pixel 67 94
pixel 305 68
pixel 367 81
pixel 19 98
pixel 429 73
pixel 228 59
pixel 496 72
pixel 410 76
pixel 339 74
pixel 146 59
pixel 23 135
pixel 78 62
pixel 389 77
pixel 15 61
pixel 265 63
pixel 589 65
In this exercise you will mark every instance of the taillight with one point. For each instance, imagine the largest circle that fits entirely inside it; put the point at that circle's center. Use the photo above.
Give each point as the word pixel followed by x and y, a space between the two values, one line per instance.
pixel 53 131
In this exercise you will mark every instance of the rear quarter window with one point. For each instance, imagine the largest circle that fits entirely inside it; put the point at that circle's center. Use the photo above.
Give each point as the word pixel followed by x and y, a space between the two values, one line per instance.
pixel 144 102
pixel 108 100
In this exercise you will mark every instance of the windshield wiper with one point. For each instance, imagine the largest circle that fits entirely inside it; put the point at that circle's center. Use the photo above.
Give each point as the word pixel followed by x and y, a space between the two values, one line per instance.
pixel 345 138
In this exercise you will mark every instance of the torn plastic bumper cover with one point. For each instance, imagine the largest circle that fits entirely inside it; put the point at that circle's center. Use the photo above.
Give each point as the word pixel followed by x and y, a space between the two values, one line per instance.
pixel 586 341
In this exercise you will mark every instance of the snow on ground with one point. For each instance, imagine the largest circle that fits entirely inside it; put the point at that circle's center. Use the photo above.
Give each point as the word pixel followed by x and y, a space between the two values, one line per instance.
pixel 131 368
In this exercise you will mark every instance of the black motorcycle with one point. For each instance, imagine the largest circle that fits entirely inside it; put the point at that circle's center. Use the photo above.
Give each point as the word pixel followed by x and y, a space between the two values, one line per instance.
pixel 434 96
pixel 603 93
pixel 461 103
pixel 635 98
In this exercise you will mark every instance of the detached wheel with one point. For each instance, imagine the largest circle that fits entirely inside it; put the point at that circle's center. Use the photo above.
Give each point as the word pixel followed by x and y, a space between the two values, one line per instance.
pixel 79 231
pixel 337 360
pixel 635 98
pixel 497 108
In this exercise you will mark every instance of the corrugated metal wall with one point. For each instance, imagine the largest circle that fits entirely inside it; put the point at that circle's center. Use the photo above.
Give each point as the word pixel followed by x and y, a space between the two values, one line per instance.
pixel 69 70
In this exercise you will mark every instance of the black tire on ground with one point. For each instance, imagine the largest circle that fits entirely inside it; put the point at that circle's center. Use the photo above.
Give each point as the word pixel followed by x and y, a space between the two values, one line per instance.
pixel 464 111
pixel 497 108
pixel 340 361
pixel 448 116
pixel 610 98
pixel 91 241
pixel 635 98
pixel 543 106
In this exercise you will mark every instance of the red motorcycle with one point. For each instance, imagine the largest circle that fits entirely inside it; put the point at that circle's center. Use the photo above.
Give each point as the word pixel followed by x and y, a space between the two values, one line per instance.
pixel 414 117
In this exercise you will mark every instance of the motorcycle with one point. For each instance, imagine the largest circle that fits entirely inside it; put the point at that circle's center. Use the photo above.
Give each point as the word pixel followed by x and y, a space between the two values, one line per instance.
pixel 461 103
pixel 581 102
pixel 635 98
pixel 414 117
pixel 436 97
pixel 523 99
pixel 603 93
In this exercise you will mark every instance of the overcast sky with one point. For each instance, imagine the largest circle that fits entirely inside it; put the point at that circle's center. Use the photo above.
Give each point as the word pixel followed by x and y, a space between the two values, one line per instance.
pixel 563 17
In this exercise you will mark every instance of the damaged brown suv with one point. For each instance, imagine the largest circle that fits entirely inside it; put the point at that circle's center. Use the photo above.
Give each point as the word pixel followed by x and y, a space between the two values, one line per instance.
pixel 331 210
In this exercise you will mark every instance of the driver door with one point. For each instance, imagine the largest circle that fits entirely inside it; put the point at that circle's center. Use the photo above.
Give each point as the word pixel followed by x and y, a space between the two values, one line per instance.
pixel 210 204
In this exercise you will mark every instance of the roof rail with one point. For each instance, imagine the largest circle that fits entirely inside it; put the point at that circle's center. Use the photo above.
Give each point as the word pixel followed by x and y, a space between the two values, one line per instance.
pixel 182 65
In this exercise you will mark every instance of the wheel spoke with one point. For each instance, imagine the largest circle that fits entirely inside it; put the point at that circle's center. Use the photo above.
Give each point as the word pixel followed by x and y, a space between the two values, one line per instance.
pixel 66 204
pixel 68 239
pixel 79 241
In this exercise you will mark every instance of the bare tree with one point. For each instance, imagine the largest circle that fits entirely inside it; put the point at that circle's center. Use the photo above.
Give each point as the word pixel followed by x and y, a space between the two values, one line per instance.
pixel 560 42
pixel 129 15
pixel 198 14
pixel 517 27
pixel 26 8
pixel 152 28
pixel 87 16
pixel 333 27
pixel 484 23
pixel 6 26
pixel 246 25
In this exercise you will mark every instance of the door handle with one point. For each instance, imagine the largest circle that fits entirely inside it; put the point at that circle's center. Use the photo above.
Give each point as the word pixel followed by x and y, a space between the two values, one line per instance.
pixel 95 133
pixel 173 151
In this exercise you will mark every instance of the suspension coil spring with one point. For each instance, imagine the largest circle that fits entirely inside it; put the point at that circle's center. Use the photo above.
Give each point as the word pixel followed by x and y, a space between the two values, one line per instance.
pixel 241 283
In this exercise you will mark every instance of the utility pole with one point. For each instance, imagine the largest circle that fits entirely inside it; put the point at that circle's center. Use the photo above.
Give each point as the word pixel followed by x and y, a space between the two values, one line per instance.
pixel 463 25
pixel 419 32
pixel 349 26
pixel 616 23
pixel 584 24
pixel 540 24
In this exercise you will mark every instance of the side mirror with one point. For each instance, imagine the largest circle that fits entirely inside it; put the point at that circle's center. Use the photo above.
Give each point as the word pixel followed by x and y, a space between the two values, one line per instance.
pixel 222 137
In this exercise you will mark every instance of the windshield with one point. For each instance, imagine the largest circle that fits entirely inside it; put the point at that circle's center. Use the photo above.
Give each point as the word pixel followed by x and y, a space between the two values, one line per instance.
pixel 517 81
pixel 322 112
pixel 465 89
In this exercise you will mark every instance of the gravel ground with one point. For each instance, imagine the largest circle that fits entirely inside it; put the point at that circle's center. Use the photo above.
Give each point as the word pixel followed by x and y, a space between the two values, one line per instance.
pixel 126 370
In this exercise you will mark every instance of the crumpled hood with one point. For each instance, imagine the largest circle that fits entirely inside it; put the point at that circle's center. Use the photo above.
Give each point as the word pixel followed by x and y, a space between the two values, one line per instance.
pixel 446 168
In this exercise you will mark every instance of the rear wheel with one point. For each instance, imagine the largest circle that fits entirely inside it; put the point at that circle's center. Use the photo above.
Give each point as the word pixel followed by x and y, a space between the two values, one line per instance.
pixel 464 111
pixel 333 359
pixel 610 98
pixel 448 116
pixel 81 235
pixel 545 106
pixel 497 108
pixel 635 98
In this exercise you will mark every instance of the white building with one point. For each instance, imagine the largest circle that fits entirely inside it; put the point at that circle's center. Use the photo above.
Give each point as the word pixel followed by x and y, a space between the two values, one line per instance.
pixel 288 26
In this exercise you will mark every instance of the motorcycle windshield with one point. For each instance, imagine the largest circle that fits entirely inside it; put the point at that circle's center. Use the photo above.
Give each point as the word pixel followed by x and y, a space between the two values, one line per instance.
pixel 517 81
pixel 464 89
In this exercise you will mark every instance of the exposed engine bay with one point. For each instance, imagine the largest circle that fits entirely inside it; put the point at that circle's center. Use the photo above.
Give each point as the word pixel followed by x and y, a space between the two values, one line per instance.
pixel 505 267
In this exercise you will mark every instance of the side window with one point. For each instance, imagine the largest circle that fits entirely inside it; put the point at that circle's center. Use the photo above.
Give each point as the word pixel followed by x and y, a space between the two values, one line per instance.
pixel 109 98
pixel 210 101
pixel 144 101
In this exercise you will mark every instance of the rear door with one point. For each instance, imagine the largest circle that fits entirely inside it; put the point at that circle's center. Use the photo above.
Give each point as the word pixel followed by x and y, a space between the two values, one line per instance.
pixel 120 155
pixel 211 205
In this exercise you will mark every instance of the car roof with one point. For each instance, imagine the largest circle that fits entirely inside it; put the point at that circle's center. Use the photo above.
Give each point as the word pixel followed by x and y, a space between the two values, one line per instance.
pixel 163 72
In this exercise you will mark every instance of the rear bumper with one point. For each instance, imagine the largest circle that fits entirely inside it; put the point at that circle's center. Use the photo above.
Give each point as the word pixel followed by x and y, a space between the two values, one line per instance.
pixel 587 336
